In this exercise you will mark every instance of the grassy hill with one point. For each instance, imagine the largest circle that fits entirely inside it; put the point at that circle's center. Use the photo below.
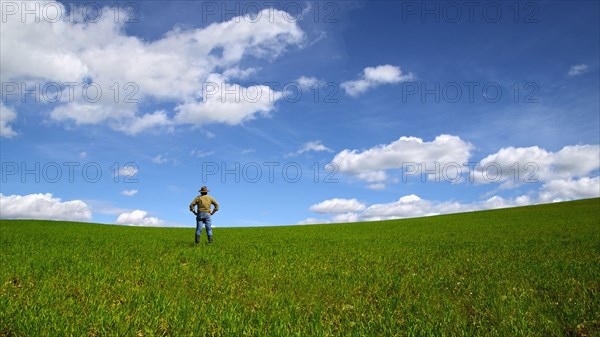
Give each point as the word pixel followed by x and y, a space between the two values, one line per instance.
pixel 527 271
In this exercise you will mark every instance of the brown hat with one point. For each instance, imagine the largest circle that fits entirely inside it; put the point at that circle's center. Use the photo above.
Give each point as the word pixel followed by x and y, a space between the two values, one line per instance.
pixel 203 189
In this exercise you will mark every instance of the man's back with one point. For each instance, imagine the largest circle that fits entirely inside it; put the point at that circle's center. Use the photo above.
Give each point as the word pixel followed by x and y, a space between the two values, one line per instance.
pixel 204 202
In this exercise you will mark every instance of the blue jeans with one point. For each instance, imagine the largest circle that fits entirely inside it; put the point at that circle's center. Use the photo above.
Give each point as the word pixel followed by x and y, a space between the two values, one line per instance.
pixel 203 218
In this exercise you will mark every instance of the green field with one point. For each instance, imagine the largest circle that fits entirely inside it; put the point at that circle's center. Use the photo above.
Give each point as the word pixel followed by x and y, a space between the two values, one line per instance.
pixel 528 271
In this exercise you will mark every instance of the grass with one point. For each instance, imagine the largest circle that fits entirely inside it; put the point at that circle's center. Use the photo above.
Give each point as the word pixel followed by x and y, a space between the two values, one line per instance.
pixel 528 271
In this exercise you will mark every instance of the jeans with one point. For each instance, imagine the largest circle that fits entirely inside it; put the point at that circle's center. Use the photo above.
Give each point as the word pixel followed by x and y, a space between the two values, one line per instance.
pixel 203 218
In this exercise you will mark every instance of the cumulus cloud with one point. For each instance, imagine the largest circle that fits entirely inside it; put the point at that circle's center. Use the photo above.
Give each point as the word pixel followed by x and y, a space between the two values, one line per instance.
pixel 7 116
pixel 312 221
pixel 128 171
pixel 345 217
pixel 568 174
pixel 376 186
pixel 569 189
pixel 375 76
pixel 138 218
pixel 316 146
pixel 337 205
pixel 500 202
pixel 312 146
pixel 149 121
pixel 512 166
pixel 307 82
pixel 129 193
pixel 227 103
pixel 411 206
pixel 446 158
pixel 373 176
pixel 201 153
pixel 175 68
pixel 44 207
pixel 405 207
pixel 370 165
pixel 159 159
pixel 575 161
pixel 236 72
pixel 577 69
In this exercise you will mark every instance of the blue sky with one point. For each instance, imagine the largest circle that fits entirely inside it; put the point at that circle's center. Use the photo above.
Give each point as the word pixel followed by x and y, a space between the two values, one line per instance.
pixel 296 112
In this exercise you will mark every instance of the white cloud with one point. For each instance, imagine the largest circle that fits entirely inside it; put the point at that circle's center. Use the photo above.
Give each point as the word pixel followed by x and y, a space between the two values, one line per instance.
pixel 7 116
pixel 138 218
pixel 500 166
pixel 127 69
pixel 106 207
pixel 406 207
pixel 376 186
pixel 40 49
pixel 201 153
pixel 576 161
pixel 307 82
pixel 370 165
pixel 312 146
pixel 81 112
pixel 373 176
pixel 499 202
pixel 208 134
pixel 159 159
pixel 513 166
pixel 577 69
pixel 570 189
pixel 337 205
pixel 228 103
pixel 129 193
pixel 375 76
pixel 384 74
pixel 568 174
pixel 316 146
pixel 411 206
pixel 43 206
pixel 138 124
pixel 312 221
pixel 236 72
pixel 446 157
pixel 345 217
pixel 127 171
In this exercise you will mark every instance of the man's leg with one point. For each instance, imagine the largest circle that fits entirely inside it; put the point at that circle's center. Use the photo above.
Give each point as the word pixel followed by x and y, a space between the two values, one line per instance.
pixel 198 229
pixel 208 225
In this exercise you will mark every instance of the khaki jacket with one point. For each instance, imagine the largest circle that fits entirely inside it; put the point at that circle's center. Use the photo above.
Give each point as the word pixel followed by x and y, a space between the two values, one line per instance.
pixel 204 202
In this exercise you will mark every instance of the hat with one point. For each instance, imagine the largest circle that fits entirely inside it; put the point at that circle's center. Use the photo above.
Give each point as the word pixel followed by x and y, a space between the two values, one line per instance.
pixel 203 189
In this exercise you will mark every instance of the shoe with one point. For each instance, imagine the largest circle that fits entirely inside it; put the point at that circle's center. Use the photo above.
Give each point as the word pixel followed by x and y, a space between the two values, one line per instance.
pixel 210 240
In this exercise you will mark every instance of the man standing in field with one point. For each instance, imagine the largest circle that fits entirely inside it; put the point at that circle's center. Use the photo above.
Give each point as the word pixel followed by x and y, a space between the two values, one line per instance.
pixel 204 213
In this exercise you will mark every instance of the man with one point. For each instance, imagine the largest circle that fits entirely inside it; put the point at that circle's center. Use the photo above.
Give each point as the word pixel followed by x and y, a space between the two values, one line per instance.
pixel 203 213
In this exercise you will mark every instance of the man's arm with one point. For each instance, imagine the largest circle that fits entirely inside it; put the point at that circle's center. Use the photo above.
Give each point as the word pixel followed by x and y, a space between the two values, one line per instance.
pixel 215 204
pixel 193 205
